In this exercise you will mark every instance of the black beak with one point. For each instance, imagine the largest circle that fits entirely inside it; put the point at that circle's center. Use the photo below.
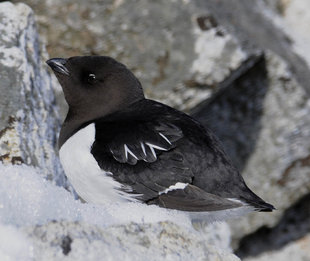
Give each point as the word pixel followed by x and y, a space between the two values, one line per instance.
pixel 58 65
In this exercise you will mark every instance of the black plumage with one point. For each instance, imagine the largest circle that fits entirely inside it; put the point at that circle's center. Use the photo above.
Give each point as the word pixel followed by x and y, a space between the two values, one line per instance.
pixel 146 145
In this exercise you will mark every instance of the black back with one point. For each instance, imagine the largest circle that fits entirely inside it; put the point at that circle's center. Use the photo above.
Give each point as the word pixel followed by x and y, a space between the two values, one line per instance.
pixel 188 153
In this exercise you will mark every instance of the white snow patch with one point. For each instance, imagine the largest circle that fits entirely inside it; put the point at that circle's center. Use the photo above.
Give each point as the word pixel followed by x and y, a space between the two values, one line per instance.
pixel 14 245
pixel 28 199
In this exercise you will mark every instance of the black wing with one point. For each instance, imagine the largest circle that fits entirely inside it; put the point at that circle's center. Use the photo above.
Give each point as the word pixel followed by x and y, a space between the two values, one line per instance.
pixel 144 147
pixel 143 141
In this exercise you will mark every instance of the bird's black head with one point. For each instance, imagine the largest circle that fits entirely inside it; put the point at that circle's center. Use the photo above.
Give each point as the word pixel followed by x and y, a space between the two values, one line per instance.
pixel 95 86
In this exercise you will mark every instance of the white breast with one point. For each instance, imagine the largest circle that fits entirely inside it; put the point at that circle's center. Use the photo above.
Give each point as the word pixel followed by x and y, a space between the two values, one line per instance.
pixel 90 182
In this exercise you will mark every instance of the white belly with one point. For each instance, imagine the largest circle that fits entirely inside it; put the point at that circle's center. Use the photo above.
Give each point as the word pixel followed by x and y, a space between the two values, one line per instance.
pixel 90 182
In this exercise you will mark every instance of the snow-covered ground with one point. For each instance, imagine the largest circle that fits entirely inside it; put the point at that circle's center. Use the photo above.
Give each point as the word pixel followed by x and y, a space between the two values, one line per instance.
pixel 27 199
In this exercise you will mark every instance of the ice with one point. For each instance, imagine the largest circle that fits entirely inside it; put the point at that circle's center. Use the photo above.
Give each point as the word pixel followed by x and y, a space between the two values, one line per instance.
pixel 28 199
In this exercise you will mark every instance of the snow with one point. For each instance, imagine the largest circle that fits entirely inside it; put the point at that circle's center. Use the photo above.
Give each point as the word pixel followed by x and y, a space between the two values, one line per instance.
pixel 27 199
pixel 14 245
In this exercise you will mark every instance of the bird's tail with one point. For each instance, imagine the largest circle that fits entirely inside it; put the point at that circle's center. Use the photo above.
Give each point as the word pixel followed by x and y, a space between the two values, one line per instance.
pixel 259 204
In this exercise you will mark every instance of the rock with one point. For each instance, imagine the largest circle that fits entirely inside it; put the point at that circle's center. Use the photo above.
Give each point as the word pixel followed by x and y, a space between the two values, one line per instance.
pixel 160 241
pixel 279 165
pixel 293 17
pixel 258 28
pixel 262 119
pixel 180 58
pixel 292 227
pixel 28 114
pixel 297 251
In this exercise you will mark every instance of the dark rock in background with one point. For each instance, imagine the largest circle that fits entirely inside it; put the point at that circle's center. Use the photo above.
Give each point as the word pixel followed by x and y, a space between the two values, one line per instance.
pixel 294 225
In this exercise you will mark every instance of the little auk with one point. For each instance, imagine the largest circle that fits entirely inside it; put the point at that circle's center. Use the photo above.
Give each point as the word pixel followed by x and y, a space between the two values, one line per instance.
pixel 115 145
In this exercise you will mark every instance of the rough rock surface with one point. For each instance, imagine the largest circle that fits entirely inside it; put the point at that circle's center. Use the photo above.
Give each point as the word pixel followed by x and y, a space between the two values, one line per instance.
pixel 161 241
pixel 187 53
pixel 29 121
pixel 297 251
pixel 266 130
pixel 257 28
pixel 293 227
pixel 293 17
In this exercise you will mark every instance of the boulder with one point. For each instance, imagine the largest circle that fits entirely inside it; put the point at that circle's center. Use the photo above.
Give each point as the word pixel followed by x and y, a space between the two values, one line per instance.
pixel 262 120
pixel 297 250
pixel 29 120
pixel 159 241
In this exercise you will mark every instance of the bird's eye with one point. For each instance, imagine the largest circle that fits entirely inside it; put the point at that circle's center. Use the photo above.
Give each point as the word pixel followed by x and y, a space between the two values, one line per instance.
pixel 91 78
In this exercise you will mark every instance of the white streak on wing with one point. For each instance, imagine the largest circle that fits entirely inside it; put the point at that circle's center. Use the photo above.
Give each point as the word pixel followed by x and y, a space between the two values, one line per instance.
pixel 178 185
pixel 238 201
pixel 222 215
pixel 155 146
pixel 153 152
pixel 92 183
pixel 164 137
pixel 127 150
pixel 143 148
pixel 152 147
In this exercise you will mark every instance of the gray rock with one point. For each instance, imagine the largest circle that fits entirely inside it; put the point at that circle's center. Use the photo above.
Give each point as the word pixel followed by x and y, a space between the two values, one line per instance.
pixel 181 53
pixel 256 27
pixel 161 241
pixel 292 227
pixel 263 121
pixel 293 17
pixel 297 250
pixel 29 120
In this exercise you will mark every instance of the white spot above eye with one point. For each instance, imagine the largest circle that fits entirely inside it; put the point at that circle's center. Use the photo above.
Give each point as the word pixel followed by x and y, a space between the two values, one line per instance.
pixel 178 185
